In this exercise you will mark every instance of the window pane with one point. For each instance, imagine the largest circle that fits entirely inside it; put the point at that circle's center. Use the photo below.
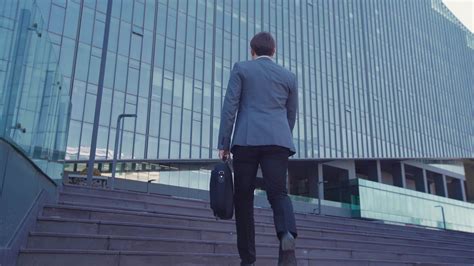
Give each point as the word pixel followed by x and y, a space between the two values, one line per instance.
pixel 56 21
pixel 72 151
pixel 139 146
pixel 149 15
pixel 113 35
pixel 90 107
pixel 132 86
pixel 109 70
pixel 144 80
pixel 142 114
pixel 121 73
pixel 82 63
pixel 138 14
pixel 147 46
pixel 99 33
pixel 78 97
pixel 136 46
pixel 127 7
pixel 94 67
pixel 165 125
pixel 72 17
pixel 124 39
pixel 105 107
pixel 67 56
pixel 86 25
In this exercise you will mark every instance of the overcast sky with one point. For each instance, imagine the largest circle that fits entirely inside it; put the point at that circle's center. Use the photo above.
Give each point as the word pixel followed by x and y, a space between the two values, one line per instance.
pixel 464 11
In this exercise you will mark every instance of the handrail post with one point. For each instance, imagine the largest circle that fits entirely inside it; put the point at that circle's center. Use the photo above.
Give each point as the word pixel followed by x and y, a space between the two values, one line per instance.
pixel 117 138
pixel 148 185
pixel 319 195
pixel 442 213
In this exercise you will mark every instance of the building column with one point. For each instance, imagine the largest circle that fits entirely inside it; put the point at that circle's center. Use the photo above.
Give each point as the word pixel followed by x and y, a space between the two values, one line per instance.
pixel 379 171
pixel 373 172
pixel 463 191
pixel 398 175
pixel 404 178
pixel 320 180
pixel 425 181
pixel 312 175
pixel 445 187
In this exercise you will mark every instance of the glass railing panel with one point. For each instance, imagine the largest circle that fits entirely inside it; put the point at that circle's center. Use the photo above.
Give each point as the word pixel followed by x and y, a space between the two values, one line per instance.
pixel 390 203
pixel 34 100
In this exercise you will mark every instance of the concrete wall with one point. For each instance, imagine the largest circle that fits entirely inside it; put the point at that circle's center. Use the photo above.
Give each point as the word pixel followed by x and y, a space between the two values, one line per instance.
pixel 23 191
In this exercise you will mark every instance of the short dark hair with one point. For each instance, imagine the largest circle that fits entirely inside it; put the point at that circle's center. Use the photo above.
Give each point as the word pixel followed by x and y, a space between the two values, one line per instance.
pixel 263 44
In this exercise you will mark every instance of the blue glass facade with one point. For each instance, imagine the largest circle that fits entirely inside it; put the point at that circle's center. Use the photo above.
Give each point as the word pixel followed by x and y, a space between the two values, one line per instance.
pixel 378 79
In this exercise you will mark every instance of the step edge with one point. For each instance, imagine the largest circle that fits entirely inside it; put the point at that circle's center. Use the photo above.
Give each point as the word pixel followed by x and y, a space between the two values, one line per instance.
pixel 322 230
pixel 220 242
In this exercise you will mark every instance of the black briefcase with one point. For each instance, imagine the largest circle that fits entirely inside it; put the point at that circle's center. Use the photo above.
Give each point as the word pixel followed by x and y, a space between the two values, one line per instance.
pixel 221 191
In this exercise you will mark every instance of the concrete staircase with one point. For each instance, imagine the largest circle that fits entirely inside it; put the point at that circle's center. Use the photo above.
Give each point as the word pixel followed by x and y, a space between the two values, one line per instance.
pixel 92 226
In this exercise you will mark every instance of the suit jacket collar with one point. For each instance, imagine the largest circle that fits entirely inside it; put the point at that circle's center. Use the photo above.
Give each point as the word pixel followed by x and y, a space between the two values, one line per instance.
pixel 264 56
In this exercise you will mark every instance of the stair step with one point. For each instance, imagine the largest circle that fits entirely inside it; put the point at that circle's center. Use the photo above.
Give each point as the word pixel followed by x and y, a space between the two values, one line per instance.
pixel 133 243
pixel 193 207
pixel 154 218
pixel 123 194
pixel 53 257
pixel 95 226
pixel 205 212
pixel 114 228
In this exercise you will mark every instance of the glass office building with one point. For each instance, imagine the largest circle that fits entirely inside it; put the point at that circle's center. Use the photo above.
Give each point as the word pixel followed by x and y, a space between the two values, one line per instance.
pixel 377 79
pixel 385 90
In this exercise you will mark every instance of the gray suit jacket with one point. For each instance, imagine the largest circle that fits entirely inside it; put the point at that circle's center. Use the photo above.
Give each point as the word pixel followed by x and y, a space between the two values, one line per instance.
pixel 265 96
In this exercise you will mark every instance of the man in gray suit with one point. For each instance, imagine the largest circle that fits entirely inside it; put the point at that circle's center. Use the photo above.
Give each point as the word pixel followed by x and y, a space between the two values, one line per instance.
pixel 265 98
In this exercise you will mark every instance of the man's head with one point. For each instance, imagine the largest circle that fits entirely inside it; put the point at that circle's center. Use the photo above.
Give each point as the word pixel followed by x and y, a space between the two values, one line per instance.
pixel 262 44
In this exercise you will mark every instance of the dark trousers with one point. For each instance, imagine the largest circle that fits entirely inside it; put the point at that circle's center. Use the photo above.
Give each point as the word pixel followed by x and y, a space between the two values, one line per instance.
pixel 273 161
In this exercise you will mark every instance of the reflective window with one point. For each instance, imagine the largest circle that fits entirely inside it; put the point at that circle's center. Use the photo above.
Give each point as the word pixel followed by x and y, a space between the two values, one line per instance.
pixel 144 80
pixel 72 18
pixel 352 102
pixel 109 70
pixel 132 85
pixel 98 33
pixel 124 39
pixel 82 63
pixel 67 55
pixel 106 107
pixel 161 20
pixel 78 97
pixel 147 46
pixel 87 23
pixel 139 147
pixel 89 108
pixel 136 46
pixel 149 15
pixel 138 13
pixel 121 73
pixel 56 22
pixel 94 68
pixel 127 8
pixel 113 35
pixel 116 8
